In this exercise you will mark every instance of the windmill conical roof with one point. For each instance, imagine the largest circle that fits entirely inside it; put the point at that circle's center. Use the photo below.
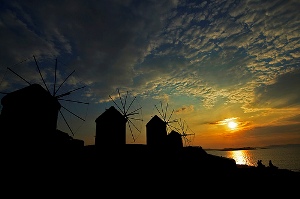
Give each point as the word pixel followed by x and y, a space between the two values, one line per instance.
pixel 174 134
pixel 111 113
pixel 155 120
pixel 30 95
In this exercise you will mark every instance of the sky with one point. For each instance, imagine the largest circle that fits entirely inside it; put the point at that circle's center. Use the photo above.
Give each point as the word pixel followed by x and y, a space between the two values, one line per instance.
pixel 199 65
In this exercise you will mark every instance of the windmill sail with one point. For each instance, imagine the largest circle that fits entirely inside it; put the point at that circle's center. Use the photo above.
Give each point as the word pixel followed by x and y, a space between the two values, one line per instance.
pixel 132 112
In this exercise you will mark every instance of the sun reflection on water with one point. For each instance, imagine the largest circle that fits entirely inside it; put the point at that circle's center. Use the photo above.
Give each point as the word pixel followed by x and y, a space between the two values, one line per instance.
pixel 241 157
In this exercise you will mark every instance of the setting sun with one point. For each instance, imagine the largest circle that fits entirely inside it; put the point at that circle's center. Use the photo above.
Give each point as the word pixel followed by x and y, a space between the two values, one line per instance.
pixel 232 125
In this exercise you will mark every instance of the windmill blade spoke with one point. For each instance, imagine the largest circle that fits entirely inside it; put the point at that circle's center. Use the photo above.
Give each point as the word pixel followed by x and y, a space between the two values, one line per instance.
pixel 62 95
pixel 123 106
pixel 72 113
pixel 170 115
pixel 138 119
pixel 63 82
pixel 135 111
pixel 130 104
pixel 190 129
pixel 183 125
pixel 158 111
pixel 131 114
pixel 54 77
pixel 69 92
pixel 185 139
pixel 41 74
pixel 190 134
pixel 19 76
pixel 173 127
pixel 66 122
pixel 76 89
pixel 134 126
pixel 180 122
pixel 172 121
pixel 165 116
pixel 74 101
pixel 125 101
pixel 162 111
pixel 131 132
pixel 182 129
pixel 116 104
pixel 187 142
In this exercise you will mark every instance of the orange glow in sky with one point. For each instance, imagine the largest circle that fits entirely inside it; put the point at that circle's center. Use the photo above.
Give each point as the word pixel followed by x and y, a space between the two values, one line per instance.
pixel 229 69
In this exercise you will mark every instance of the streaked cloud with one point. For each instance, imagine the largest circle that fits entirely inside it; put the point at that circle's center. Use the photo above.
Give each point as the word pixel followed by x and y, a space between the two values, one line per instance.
pixel 218 59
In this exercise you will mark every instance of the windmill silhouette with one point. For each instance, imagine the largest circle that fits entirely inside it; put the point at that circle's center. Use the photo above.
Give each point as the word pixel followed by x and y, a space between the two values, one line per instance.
pixel 127 105
pixel 54 93
pixel 186 132
pixel 166 116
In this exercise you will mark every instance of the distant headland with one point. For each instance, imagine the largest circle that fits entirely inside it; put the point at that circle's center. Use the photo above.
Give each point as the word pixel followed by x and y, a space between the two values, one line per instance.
pixel 251 148
pixel 234 149
pixel 240 148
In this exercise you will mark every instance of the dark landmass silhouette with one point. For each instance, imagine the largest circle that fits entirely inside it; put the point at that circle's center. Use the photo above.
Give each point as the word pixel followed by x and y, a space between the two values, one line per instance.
pixel 234 149
pixel 33 149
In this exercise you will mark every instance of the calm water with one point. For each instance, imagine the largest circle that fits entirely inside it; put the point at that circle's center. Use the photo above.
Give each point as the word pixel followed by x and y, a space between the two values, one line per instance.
pixel 284 157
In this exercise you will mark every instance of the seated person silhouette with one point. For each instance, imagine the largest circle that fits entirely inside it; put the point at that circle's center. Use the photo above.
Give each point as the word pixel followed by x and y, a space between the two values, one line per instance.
pixel 271 165
pixel 260 164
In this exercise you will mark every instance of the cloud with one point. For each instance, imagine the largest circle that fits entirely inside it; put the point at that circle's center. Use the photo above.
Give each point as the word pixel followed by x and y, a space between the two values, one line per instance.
pixel 283 93
pixel 107 37
pixel 185 110
pixel 207 54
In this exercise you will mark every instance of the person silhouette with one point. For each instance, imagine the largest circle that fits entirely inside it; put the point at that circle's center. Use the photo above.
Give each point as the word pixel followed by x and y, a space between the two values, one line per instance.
pixel 271 164
pixel 260 164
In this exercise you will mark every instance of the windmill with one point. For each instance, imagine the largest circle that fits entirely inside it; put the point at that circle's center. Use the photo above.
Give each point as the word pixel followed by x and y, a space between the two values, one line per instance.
pixel 127 105
pixel 167 117
pixel 186 132
pixel 54 94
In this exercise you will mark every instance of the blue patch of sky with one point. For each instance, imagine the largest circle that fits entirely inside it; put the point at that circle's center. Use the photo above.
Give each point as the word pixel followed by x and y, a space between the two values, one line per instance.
pixel 35 21
pixel 185 99
pixel 33 25
pixel 161 49
pixel 228 72
pixel 163 61
pixel 202 23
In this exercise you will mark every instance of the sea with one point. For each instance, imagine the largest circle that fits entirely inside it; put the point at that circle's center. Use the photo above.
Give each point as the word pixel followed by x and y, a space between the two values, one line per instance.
pixel 282 156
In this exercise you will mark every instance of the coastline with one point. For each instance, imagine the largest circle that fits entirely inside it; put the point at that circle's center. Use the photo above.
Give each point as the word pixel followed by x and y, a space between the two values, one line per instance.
pixel 282 156
pixel 250 148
